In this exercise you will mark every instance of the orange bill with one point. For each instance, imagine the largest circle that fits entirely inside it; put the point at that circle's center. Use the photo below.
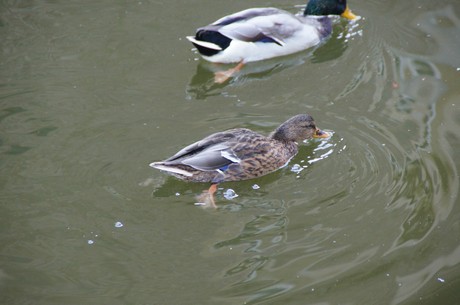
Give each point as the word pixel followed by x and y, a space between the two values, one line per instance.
pixel 321 134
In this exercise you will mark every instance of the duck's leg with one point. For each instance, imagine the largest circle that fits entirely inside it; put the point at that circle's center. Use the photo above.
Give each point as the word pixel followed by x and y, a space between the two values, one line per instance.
pixel 222 76
pixel 212 190
pixel 207 197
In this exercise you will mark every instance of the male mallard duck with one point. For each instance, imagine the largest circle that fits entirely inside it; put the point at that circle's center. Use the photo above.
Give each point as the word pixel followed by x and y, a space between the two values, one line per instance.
pixel 262 33
pixel 239 154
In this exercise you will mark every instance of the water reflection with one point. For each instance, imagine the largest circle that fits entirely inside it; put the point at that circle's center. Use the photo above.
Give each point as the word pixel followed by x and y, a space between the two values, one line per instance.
pixel 412 282
pixel 428 180
pixel 442 26
pixel 370 216
pixel 394 158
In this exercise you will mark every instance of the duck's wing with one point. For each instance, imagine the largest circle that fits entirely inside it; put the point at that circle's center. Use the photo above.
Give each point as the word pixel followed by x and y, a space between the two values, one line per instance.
pixel 258 25
pixel 212 153
pixel 246 15
pixel 213 158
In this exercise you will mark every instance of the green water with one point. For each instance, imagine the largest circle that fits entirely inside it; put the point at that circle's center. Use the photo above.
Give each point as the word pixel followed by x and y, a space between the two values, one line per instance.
pixel 92 92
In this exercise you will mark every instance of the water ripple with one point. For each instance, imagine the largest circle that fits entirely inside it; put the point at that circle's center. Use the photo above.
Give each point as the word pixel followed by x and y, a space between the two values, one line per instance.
pixel 381 190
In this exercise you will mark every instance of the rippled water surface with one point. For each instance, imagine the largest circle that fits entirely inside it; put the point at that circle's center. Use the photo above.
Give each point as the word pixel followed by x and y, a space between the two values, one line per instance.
pixel 92 92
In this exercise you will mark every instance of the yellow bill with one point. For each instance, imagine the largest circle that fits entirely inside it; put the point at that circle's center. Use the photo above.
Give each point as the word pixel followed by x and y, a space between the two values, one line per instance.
pixel 348 14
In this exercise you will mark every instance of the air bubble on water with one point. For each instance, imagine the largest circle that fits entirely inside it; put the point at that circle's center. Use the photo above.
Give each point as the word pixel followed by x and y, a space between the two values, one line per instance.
pixel 255 187
pixel 118 224
pixel 90 241
pixel 296 168
pixel 230 194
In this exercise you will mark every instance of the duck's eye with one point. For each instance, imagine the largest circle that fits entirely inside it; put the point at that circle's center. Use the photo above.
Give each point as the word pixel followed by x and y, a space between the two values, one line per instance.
pixel 312 126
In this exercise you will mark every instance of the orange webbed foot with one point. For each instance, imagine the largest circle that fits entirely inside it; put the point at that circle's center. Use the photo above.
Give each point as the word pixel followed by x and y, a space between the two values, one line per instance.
pixel 206 199
pixel 223 76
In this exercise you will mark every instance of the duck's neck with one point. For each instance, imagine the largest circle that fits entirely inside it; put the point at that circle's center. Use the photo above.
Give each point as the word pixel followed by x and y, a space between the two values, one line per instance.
pixel 280 134
pixel 325 28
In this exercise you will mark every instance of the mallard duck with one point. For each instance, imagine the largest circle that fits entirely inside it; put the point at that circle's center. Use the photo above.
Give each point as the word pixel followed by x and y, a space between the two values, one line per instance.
pixel 262 33
pixel 239 154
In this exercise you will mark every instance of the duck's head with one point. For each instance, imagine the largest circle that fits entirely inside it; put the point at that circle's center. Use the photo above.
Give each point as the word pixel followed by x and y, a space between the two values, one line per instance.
pixel 329 7
pixel 298 128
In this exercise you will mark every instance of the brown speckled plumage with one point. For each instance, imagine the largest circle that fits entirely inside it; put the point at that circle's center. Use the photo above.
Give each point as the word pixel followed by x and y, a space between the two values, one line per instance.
pixel 240 154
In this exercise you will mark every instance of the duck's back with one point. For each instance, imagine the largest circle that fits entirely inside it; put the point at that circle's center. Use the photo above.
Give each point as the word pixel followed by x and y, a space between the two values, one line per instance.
pixel 258 34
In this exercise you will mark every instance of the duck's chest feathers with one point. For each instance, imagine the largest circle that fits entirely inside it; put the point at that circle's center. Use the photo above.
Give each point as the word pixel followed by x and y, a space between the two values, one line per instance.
pixel 264 157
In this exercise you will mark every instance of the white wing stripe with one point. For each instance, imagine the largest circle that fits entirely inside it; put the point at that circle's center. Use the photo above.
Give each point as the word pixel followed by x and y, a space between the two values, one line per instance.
pixel 230 156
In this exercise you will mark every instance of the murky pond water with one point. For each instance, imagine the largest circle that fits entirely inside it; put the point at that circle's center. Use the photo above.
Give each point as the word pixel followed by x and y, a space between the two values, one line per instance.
pixel 91 93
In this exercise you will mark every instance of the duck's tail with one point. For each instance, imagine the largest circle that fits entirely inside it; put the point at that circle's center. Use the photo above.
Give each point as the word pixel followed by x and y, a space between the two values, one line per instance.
pixel 204 44
pixel 172 169
pixel 209 42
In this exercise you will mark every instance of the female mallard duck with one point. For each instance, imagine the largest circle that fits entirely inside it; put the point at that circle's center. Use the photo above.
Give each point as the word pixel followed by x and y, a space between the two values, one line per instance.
pixel 262 33
pixel 239 154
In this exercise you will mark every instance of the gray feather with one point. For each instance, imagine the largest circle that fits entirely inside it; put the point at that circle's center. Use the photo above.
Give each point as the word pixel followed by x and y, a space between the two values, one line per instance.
pixel 210 158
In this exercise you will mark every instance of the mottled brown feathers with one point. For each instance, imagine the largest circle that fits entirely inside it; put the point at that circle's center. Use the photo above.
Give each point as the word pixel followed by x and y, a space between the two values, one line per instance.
pixel 239 154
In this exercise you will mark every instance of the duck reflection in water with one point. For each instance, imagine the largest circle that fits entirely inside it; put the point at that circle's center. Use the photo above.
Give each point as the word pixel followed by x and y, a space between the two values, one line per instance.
pixel 203 83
